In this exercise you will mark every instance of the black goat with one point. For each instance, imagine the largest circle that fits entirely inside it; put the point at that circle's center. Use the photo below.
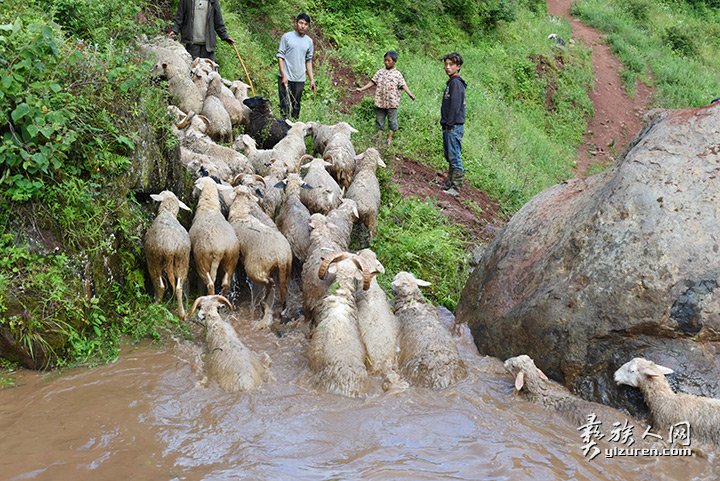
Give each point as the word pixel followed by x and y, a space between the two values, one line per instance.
pixel 263 127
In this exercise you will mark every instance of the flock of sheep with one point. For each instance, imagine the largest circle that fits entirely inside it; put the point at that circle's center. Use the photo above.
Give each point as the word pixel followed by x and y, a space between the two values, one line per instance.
pixel 254 206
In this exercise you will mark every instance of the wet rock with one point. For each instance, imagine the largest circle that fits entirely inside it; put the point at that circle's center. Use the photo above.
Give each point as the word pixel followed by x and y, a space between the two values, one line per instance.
pixel 593 272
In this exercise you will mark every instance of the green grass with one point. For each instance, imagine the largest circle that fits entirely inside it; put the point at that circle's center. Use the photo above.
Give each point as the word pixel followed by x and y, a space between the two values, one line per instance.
pixel 668 45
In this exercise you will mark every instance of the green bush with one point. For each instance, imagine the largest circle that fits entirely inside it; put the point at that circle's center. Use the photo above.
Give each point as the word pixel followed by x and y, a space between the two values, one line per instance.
pixel 680 40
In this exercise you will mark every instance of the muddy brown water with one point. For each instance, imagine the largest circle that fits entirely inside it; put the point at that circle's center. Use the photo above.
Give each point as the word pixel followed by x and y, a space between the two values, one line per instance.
pixel 150 416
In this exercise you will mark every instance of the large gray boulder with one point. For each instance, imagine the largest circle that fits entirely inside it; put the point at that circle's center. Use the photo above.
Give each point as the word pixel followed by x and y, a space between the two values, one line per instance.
pixel 593 272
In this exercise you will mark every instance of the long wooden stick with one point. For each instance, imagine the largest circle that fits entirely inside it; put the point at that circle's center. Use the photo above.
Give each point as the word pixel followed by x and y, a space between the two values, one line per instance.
pixel 245 69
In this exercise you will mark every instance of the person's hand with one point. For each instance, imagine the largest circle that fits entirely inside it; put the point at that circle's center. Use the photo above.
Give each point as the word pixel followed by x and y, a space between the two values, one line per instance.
pixel 230 41
pixel 312 86
pixel 172 34
pixel 412 97
pixel 284 80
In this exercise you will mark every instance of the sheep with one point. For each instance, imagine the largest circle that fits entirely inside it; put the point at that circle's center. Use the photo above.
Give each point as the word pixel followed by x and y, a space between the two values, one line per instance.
pixel 342 219
pixel 167 248
pixel 533 385
pixel 365 189
pixel 341 154
pixel 220 123
pixel 667 407
pixel 213 239
pixel 326 193
pixel 239 112
pixel 183 92
pixel 261 159
pixel 190 124
pixel 232 364
pixel 257 185
pixel 264 249
pixel 293 220
pixel 379 328
pixel 428 354
pixel 239 89
pixel 291 148
pixel 230 162
pixel 336 353
pixel 323 133
pixel 324 240
pixel 165 50
pixel 262 126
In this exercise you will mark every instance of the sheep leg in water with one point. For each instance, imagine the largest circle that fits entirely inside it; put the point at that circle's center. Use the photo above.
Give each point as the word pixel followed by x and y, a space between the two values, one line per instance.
pixel 179 295
pixel 267 317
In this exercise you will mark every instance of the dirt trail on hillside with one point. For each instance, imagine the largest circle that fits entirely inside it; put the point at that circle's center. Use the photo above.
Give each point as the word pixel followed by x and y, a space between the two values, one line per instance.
pixel 618 118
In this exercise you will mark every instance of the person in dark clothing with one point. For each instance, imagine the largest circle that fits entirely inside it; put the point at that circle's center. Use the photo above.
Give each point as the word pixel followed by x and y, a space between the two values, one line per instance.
pixel 452 121
pixel 199 38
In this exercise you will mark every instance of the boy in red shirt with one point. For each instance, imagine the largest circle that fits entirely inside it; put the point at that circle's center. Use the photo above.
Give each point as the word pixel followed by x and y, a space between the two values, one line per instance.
pixel 389 82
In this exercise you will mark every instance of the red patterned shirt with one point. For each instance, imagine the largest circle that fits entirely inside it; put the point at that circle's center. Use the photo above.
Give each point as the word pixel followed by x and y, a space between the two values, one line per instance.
pixel 388 84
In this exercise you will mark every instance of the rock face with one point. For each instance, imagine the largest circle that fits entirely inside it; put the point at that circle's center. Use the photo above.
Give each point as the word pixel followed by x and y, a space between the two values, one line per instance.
pixel 626 263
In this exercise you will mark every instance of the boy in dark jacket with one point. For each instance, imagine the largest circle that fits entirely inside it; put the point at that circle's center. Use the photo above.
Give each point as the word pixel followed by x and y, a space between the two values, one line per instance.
pixel 198 22
pixel 452 120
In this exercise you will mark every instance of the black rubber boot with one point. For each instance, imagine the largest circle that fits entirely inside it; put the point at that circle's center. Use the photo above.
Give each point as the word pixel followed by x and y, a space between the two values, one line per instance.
pixel 449 181
pixel 457 182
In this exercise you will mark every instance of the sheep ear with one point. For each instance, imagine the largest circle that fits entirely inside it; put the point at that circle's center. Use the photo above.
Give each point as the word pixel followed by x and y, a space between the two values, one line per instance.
pixel 353 130
pixel 655 370
pixel 182 205
pixel 381 163
pixel 360 156
pixel 156 197
pixel 306 186
pixel 422 283
pixel 519 381
pixel 280 185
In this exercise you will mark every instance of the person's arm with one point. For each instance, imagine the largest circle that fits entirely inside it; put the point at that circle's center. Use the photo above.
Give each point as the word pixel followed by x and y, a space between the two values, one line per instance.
pixel 220 26
pixel 281 60
pixel 407 91
pixel 309 67
pixel 365 87
pixel 457 95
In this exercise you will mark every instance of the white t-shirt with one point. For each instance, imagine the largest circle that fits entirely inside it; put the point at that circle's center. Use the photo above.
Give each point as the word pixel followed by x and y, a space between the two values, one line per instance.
pixel 295 50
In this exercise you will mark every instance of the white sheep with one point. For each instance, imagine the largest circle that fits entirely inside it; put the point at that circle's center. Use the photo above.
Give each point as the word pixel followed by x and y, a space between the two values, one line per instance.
pixel 336 353
pixel 188 124
pixel 379 328
pixel 341 154
pixel 322 134
pixel 239 113
pixel 167 248
pixel 325 194
pixel 239 89
pixel 342 219
pixel 293 219
pixel 324 241
pixel 256 184
pixel 667 407
pixel 232 364
pixel 291 148
pixel 214 243
pixel 261 159
pixel 183 92
pixel 533 385
pixel 220 127
pixel 229 161
pixel 365 189
pixel 264 249
pixel 428 354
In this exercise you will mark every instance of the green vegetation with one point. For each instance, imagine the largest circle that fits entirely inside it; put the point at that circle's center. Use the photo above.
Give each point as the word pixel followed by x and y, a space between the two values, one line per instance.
pixel 670 45
pixel 75 100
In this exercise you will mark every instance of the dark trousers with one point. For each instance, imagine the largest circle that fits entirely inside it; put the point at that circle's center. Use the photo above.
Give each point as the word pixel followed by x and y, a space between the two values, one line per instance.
pixel 196 51
pixel 290 98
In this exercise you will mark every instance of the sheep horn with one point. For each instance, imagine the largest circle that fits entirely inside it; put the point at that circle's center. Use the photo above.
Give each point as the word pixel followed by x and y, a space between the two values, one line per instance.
pixel 305 157
pixel 367 276
pixel 186 121
pixel 235 179
pixel 222 300
pixel 338 256
pixel 194 306
pixel 260 178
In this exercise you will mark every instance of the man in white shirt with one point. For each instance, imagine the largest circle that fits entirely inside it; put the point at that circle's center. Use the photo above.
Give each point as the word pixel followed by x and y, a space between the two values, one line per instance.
pixel 295 56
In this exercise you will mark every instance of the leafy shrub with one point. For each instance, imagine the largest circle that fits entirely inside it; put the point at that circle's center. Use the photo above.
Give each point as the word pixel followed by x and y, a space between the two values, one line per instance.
pixel 638 9
pixel 680 40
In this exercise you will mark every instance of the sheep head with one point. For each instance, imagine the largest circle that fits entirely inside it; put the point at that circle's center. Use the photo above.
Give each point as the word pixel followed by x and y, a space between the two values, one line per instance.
pixel 209 305
pixel 373 155
pixel 169 201
pixel 329 265
pixel 406 284
pixel 523 368
pixel 634 372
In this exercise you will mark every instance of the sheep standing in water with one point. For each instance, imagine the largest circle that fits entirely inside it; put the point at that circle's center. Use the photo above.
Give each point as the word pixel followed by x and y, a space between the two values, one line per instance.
pixel 667 407
pixel 232 364
pixel 337 354
pixel 167 248
pixel 533 385
pixel 428 354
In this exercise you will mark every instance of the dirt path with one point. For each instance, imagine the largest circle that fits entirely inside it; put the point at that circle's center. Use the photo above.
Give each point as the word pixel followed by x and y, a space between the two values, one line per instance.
pixel 617 117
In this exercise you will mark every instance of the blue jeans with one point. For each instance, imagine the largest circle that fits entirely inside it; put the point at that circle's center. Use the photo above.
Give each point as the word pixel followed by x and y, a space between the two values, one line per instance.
pixel 452 145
